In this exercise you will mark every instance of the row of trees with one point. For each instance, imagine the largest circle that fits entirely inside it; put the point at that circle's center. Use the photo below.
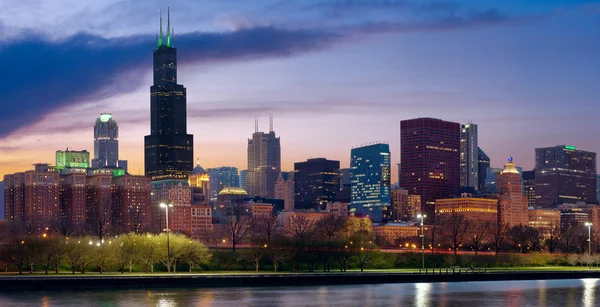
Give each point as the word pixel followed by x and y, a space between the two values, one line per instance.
pixel 119 253
pixel 457 232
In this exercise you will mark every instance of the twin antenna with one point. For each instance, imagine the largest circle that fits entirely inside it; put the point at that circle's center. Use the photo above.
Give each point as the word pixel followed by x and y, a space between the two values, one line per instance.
pixel 170 31
pixel 270 123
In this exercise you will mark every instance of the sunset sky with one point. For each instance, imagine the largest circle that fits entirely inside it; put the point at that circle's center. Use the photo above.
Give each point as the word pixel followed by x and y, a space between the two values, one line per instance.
pixel 335 74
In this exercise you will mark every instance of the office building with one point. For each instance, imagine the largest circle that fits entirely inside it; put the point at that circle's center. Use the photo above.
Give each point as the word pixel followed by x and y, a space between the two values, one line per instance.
pixel 564 175
pixel 284 190
pixel 264 163
pixel 405 207
pixel 430 157
pixel 513 205
pixel 200 183
pixel 243 179
pixel 179 194
pixel 370 181
pixel 222 177
pixel 483 164
pixel 316 183
pixel 73 199
pixel 106 143
pixel 469 156
pixel 131 206
pixel 474 209
pixel 345 178
pixel 529 186
pixel 598 189
pixel 169 149
pixel 544 219
pixel 2 207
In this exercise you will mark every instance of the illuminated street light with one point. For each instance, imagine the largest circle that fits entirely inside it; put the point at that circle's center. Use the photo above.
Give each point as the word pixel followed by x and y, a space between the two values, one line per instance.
pixel 422 217
pixel 163 205
pixel 589 226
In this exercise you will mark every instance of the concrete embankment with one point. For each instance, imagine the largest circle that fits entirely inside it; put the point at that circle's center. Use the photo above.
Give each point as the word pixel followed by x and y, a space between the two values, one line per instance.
pixel 43 283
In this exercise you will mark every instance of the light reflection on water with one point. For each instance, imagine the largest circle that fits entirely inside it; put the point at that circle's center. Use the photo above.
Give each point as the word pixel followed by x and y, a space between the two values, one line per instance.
pixel 541 293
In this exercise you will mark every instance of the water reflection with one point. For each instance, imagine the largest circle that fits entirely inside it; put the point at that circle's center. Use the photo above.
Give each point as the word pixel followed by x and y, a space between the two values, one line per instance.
pixel 589 297
pixel 489 294
pixel 422 294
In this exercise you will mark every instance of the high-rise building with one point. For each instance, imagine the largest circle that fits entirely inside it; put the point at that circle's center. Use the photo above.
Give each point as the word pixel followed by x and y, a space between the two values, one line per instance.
pixel 106 143
pixel 430 157
pixel 598 189
pixel 316 183
pixel 243 179
pixel 284 189
pixel 222 177
pixel 72 159
pixel 200 183
pixel 370 181
pixel 132 206
pixel 264 163
pixel 512 205
pixel 32 198
pixel 564 175
pixel 482 168
pixel 73 200
pixel 169 149
pixel 405 207
pixel 345 178
pixel 529 186
pixel 469 156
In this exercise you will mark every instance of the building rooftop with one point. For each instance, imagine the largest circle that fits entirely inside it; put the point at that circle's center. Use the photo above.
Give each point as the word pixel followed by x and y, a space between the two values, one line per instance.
pixel 510 167
pixel 233 191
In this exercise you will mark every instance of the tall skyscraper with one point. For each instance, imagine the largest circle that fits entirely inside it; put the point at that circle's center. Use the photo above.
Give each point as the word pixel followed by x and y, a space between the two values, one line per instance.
pixel 482 168
pixel 564 175
pixel 264 162
pixel 529 186
pixel 512 204
pixel 430 157
pixel 316 183
pixel 405 208
pixel 370 181
pixel 222 177
pixel 469 156
pixel 169 149
pixel 106 143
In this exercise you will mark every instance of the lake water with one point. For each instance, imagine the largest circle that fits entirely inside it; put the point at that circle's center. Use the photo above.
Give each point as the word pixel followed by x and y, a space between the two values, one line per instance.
pixel 574 292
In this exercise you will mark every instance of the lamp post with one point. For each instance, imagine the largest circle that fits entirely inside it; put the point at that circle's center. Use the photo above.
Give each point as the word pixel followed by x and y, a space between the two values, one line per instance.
pixel 589 226
pixel 167 206
pixel 422 216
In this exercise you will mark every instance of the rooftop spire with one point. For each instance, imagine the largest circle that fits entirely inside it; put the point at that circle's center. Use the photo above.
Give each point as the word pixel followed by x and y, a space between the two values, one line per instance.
pixel 160 38
pixel 271 123
pixel 168 27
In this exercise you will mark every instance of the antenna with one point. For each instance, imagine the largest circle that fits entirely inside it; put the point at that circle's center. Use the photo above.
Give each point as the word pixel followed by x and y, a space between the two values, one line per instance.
pixel 168 27
pixel 161 30
pixel 256 124
pixel 271 123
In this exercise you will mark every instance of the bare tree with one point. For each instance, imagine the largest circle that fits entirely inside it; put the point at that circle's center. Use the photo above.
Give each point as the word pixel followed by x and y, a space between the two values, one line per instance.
pixel 238 224
pixel 329 227
pixel 456 227
pixel 436 228
pixel 264 228
pixel 552 235
pixel 497 235
pixel 478 232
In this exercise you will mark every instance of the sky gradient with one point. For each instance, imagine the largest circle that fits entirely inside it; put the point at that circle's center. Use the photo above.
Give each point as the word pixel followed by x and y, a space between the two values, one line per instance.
pixel 335 74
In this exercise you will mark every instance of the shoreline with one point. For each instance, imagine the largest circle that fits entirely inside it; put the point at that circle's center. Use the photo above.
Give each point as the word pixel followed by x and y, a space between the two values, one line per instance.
pixel 18 283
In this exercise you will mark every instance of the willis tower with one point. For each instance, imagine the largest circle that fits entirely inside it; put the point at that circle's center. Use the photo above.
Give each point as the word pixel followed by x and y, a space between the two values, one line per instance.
pixel 169 149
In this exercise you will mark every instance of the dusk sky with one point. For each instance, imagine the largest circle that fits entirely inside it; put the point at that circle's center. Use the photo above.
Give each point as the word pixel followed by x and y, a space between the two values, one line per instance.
pixel 335 74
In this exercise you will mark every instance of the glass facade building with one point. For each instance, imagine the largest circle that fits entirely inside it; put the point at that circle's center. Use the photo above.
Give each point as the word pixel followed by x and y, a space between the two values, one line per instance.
pixel 483 165
pixel 370 181
pixel 430 157
pixel 222 177
pixel 169 149
pixel 316 183
pixel 106 143
pixel 469 156
pixel 564 175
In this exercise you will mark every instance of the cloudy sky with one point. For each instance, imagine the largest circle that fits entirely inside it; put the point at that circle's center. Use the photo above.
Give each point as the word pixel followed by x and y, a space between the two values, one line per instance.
pixel 334 73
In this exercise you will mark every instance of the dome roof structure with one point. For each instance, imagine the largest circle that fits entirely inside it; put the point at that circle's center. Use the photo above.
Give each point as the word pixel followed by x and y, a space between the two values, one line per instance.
pixel 233 191
pixel 510 167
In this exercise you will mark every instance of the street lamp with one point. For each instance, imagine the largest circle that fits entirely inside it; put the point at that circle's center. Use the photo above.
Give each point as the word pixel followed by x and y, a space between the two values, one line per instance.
pixel 422 216
pixel 589 226
pixel 163 205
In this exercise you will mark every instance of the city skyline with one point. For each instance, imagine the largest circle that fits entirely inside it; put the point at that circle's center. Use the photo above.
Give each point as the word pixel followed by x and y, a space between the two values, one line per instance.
pixel 515 105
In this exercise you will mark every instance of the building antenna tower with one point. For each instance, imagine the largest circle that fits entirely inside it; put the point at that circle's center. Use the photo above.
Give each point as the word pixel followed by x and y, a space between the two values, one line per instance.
pixel 271 123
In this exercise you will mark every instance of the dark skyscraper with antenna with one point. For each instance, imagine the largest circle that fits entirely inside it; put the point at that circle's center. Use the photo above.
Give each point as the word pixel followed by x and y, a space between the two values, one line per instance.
pixel 264 162
pixel 169 149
